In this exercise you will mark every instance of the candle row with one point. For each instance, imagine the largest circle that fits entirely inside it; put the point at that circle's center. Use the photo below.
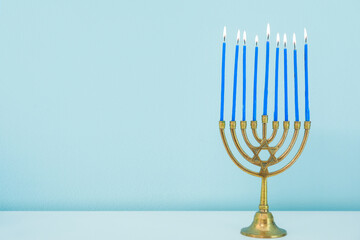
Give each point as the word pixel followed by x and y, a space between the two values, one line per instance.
pixel 307 111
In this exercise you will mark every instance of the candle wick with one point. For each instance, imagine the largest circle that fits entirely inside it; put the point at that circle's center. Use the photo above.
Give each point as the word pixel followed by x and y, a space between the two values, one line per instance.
pixel 238 37
pixel 294 40
pixel 244 37
pixel 224 33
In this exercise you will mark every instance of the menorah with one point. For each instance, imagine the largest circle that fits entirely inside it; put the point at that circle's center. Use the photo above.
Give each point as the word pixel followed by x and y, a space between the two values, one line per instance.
pixel 263 225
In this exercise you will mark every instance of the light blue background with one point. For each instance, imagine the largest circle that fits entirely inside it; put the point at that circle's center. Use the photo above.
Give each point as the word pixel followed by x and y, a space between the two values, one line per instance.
pixel 114 105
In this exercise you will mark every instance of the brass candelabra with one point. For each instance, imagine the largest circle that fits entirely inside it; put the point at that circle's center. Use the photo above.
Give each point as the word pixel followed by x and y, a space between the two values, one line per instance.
pixel 263 225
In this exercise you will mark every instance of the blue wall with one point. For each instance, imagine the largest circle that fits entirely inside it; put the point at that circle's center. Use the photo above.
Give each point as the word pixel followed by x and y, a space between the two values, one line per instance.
pixel 114 105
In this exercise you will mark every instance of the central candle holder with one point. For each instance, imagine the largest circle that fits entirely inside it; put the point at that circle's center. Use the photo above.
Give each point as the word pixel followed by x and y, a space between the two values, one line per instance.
pixel 263 225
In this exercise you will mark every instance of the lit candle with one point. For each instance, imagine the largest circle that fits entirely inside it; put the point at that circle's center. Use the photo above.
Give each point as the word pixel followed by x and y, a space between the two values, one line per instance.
pixel 244 79
pixel 235 75
pixel 296 81
pixel 276 76
pixel 266 69
pixel 307 109
pixel 285 80
pixel 255 77
pixel 223 78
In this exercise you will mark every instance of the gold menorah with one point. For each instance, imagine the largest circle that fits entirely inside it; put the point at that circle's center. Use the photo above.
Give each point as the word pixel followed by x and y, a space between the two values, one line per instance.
pixel 263 225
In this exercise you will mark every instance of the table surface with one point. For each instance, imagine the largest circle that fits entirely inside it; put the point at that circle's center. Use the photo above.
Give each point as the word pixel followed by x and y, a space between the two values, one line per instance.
pixel 171 225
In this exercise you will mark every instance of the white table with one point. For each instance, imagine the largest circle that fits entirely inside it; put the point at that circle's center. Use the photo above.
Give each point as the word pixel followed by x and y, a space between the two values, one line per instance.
pixel 171 225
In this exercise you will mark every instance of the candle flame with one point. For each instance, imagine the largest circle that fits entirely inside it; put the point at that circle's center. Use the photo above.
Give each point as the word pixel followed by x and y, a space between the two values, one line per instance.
pixel 305 35
pixel 224 33
pixel 268 31
pixel 277 39
pixel 238 37
pixel 256 40
pixel 244 37
pixel 294 40
pixel 285 40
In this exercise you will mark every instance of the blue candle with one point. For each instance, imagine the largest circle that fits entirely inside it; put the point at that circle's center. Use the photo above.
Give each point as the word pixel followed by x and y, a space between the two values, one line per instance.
pixel 307 109
pixel 276 77
pixel 255 77
pixel 235 75
pixel 266 70
pixel 285 81
pixel 244 79
pixel 223 78
pixel 296 81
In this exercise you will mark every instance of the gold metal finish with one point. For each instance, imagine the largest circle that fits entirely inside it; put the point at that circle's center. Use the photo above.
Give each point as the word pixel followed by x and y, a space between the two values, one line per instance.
pixel 264 123
pixel 263 225
pixel 254 127
pixel 275 129
pixel 243 124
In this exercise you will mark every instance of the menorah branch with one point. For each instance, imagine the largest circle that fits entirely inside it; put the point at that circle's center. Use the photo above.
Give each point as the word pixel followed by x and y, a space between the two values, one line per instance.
pixel 253 128
pixel 237 144
pixel 275 126
pixel 307 125
pixel 223 137
pixel 297 125
pixel 283 137
pixel 244 134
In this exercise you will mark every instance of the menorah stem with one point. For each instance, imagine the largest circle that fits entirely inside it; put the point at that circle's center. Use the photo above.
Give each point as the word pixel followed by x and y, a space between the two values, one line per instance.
pixel 263 207
pixel 264 126
pixel 263 225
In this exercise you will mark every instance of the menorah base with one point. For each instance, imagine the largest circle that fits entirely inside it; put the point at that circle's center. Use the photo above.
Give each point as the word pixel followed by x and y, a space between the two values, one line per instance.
pixel 263 226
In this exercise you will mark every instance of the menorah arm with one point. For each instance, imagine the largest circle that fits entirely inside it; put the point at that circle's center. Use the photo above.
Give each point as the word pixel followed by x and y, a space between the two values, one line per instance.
pixel 253 128
pixel 237 143
pixel 297 155
pixel 283 137
pixel 223 137
pixel 297 125
pixel 275 125
pixel 244 134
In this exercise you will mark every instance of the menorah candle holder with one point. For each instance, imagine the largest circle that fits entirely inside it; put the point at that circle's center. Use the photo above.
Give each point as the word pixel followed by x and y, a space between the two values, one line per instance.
pixel 263 225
